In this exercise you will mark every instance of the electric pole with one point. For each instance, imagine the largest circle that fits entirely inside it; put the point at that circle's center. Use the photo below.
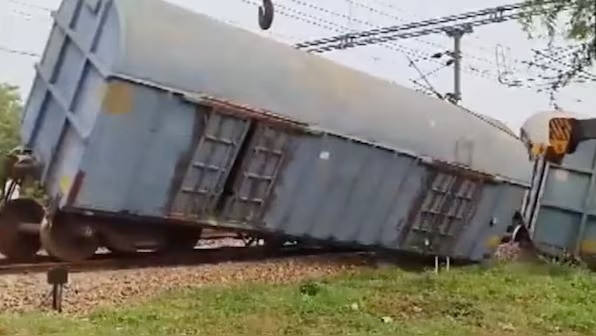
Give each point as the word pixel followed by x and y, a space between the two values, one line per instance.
pixel 455 26
pixel 457 33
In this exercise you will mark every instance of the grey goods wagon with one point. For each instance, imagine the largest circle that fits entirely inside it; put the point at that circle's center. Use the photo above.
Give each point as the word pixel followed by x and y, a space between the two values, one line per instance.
pixel 147 122
pixel 560 209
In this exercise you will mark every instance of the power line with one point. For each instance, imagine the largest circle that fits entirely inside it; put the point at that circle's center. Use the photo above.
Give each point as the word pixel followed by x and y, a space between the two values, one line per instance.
pixel 333 26
pixel 30 16
pixel 424 77
pixel 530 65
pixel 328 25
pixel 350 18
pixel 415 29
pixel 388 15
pixel 453 23
pixel 562 62
pixel 19 52
pixel 367 23
pixel 418 17
pixel 30 5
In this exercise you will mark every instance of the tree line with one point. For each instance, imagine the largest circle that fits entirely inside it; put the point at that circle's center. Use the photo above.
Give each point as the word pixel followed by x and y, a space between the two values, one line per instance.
pixel 575 21
pixel 10 117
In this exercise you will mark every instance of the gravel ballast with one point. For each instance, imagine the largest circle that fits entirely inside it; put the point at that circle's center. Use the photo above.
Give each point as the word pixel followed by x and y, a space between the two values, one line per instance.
pixel 89 290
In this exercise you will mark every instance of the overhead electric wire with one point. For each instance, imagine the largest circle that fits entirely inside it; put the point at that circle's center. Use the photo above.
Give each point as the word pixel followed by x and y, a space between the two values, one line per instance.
pixel 30 16
pixel 495 12
pixel 368 23
pixel 325 24
pixel 433 26
pixel 30 5
pixel 467 54
pixel 557 60
pixel 336 27
pixel 407 35
pixel 419 55
pixel 19 52
pixel 424 78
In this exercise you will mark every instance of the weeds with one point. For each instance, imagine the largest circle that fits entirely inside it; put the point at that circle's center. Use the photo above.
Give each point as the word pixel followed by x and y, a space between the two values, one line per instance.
pixel 508 299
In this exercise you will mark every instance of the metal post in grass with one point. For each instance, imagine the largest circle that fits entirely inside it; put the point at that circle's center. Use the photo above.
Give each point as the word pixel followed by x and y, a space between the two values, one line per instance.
pixel 57 277
pixel 438 264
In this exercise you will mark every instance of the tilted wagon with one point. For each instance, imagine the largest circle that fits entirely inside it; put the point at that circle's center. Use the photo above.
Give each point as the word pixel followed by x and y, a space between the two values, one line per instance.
pixel 148 122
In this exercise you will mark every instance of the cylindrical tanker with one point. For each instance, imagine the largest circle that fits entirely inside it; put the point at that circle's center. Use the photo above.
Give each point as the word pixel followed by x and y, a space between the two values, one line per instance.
pixel 148 122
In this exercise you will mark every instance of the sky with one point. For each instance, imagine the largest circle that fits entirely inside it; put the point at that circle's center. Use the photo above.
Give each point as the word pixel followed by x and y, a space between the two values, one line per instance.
pixel 494 56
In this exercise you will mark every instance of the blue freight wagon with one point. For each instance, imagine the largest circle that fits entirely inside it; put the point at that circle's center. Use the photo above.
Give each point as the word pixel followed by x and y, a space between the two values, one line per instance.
pixel 147 122
pixel 560 209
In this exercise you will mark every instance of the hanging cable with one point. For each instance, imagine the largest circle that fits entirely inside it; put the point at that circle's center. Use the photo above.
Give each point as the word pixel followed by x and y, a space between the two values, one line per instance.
pixel 414 29
pixel 19 52
pixel 30 5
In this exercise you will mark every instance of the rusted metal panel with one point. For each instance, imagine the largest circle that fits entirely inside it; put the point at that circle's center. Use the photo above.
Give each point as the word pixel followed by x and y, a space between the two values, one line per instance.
pixel 212 161
pixel 118 97
pixel 348 192
pixel 442 211
pixel 257 176
pixel 245 111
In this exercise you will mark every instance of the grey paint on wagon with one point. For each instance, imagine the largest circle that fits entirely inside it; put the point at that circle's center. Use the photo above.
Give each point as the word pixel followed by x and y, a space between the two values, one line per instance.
pixel 359 173
pixel 200 54
pixel 561 209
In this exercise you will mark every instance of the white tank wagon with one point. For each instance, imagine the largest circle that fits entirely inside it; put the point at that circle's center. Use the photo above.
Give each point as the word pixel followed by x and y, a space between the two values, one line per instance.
pixel 149 122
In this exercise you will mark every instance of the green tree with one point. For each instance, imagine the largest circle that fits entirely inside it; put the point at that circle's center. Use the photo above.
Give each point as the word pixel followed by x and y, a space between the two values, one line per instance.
pixel 575 20
pixel 10 112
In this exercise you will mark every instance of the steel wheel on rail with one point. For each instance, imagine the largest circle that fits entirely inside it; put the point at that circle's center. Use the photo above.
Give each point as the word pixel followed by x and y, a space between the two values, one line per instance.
pixel 68 239
pixel 16 243
pixel 182 239
pixel 118 243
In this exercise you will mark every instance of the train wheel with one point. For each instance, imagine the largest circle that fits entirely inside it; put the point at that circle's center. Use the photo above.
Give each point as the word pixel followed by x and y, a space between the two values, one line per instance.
pixel 68 239
pixel 118 243
pixel 274 243
pixel 16 243
pixel 183 239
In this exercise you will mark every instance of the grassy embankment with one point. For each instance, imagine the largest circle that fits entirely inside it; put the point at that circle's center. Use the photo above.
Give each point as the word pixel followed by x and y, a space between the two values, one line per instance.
pixel 503 300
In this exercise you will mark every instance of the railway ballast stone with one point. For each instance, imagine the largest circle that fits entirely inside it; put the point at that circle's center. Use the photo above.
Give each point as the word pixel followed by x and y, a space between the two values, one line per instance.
pixel 89 290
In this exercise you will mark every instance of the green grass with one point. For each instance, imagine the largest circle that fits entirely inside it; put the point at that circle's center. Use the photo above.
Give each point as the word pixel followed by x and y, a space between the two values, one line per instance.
pixel 504 300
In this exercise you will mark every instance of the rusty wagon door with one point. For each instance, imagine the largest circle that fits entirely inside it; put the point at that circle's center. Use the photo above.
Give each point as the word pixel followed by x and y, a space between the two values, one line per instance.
pixel 252 185
pixel 234 165
pixel 210 164
pixel 444 207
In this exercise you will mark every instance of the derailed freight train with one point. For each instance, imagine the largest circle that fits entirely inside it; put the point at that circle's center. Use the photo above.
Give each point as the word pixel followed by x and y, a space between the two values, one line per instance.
pixel 147 122
pixel 559 209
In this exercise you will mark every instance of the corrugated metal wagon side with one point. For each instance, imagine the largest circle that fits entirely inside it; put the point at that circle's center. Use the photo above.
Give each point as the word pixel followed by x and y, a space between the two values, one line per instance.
pixel 63 107
pixel 322 186
pixel 144 133
pixel 341 190
pixel 560 207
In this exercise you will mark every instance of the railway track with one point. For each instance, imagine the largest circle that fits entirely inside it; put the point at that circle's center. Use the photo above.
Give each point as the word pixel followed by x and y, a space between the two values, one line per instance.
pixel 104 262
